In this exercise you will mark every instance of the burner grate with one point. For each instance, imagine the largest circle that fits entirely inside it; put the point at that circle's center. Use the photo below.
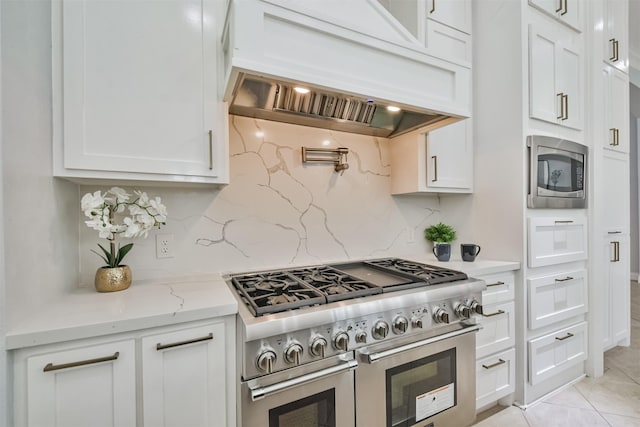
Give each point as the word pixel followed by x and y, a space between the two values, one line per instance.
pixel 430 274
pixel 334 284
pixel 273 292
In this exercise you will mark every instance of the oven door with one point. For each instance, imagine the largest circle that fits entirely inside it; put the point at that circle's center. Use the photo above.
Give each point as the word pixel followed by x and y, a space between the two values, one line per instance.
pixel 430 382
pixel 318 394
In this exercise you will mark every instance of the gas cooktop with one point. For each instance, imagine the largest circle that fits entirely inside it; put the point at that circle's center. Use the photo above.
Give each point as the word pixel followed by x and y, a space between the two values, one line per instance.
pixel 276 291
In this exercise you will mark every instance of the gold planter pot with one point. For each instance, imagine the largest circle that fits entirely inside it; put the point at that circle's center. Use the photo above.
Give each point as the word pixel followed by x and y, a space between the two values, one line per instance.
pixel 111 279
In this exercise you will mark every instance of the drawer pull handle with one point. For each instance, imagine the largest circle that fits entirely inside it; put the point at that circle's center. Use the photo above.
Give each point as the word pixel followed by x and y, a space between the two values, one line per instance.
pixel 614 232
pixel 495 313
pixel 564 222
pixel 493 365
pixel 498 283
pixel 569 335
pixel 565 279
pixel 177 344
pixel 52 367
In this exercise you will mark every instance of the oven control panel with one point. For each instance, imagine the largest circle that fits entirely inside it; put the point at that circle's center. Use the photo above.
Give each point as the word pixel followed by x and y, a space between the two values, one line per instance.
pixel 280 352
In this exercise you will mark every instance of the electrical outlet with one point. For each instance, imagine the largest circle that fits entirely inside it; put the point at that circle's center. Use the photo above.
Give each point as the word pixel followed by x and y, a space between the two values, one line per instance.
pixel 164 245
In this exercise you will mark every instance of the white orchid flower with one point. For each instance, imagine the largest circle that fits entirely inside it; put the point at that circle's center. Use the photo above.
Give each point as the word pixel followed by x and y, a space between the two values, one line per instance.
pixel 101 209
pixel 91 201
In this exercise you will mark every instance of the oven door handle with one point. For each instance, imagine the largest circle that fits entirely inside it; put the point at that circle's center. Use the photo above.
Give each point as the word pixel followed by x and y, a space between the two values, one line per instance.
pixel 374 357
pixel 258 392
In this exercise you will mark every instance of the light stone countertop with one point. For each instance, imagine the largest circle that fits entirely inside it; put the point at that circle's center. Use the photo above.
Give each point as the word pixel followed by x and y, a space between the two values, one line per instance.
pixel 86 313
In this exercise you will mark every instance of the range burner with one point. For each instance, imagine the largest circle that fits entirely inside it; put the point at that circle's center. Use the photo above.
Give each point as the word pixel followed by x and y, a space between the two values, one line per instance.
pixel 272 292
pixel 335 284
pixel 430 274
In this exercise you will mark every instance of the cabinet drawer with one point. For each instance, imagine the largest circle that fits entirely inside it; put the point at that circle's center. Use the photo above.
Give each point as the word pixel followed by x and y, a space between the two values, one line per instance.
pixel 556 297
pixel 557 351
pixel 554 240
pixel 500 288
pixel 498 328
pixel 495 377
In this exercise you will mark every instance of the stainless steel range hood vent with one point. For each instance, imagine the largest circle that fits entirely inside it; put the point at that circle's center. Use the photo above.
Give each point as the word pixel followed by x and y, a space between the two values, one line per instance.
pixel 305 105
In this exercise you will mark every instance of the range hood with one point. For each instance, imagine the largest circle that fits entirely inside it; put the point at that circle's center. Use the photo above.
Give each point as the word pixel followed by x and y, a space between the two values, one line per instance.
pixel 309 63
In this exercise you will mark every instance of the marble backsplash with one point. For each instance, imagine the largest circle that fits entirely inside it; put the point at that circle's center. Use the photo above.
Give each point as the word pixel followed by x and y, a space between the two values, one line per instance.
pixel 278 211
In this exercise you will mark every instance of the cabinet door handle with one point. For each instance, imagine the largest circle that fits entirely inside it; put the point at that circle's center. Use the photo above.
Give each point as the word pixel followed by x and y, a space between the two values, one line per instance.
pixel 498 283
pixel 52 367
pixel 177 344
pixel 561 95
pixel 435 168
pixel 565 279
pixel 210 149
pixel 614 132
pixel 565 99
pixel 563 222
pixel 559 6
pixel 433 6
pixel 495 313
pixel 614 47
pixel 566 8
pixel 493 365
pixel 616 251
pixel 617 137
pixel 569 335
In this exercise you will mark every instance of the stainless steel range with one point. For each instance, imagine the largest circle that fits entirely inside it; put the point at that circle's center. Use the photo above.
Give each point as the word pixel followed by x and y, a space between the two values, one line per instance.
pixel 384 342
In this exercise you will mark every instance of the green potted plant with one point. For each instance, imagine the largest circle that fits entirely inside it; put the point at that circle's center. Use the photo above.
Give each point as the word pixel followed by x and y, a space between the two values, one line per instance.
pixel 441 235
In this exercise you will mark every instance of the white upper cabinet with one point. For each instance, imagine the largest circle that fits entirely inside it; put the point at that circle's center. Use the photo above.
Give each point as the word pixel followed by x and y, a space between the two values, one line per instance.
pixel 616 33
pixel 135 91
pixel 438 161
pixel 453 13
pixel 566 11
pixel 555 78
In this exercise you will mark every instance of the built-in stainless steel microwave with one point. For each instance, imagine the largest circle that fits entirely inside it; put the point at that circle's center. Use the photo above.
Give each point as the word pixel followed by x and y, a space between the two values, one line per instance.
pixel 557 173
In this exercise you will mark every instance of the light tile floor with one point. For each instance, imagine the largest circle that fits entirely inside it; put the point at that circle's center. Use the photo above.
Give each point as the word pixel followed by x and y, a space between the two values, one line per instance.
pixel 612 400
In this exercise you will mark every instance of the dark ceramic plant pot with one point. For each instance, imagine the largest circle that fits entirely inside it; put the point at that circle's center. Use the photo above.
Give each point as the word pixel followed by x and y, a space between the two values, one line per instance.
pixel 442 251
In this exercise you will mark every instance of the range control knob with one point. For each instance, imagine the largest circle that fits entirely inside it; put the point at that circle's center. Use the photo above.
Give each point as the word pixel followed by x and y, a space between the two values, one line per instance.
pixel 400 325
pixel 266 360
pixel 380 329
pixel 416 322
pixel 341 341
pixel 440 315
pixel 317 347
pixel 463 311
pixel 293 353
pixel 361 337
pixel 476 308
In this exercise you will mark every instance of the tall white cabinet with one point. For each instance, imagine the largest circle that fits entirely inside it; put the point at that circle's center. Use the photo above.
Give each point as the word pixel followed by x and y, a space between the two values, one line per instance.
pixel 135 91
pixel 572 301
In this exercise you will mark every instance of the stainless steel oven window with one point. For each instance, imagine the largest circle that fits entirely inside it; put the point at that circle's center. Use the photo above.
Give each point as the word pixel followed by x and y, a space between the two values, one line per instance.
pixel 318 410
pixel 420 389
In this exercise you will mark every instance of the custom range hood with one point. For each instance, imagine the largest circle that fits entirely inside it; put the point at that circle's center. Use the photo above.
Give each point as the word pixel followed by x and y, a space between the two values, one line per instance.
pixel 342 65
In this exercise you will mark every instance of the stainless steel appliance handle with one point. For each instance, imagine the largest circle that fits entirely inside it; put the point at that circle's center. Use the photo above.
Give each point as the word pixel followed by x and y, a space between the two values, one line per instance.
pixel 374 357
pixel 262 392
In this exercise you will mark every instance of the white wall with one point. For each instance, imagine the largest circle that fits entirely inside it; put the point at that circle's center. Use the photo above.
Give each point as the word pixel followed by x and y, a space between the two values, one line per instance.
pixel 634 101
pixel 40 212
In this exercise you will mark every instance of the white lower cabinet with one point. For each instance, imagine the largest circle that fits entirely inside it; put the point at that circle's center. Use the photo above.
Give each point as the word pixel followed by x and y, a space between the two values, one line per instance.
pixel 554 352
pixel 495 377
pixel 85 386
pixel 495 352
pixel 174 376
pixel 498 328
pixel 172 360
pixel 556 297
pixel 557 240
